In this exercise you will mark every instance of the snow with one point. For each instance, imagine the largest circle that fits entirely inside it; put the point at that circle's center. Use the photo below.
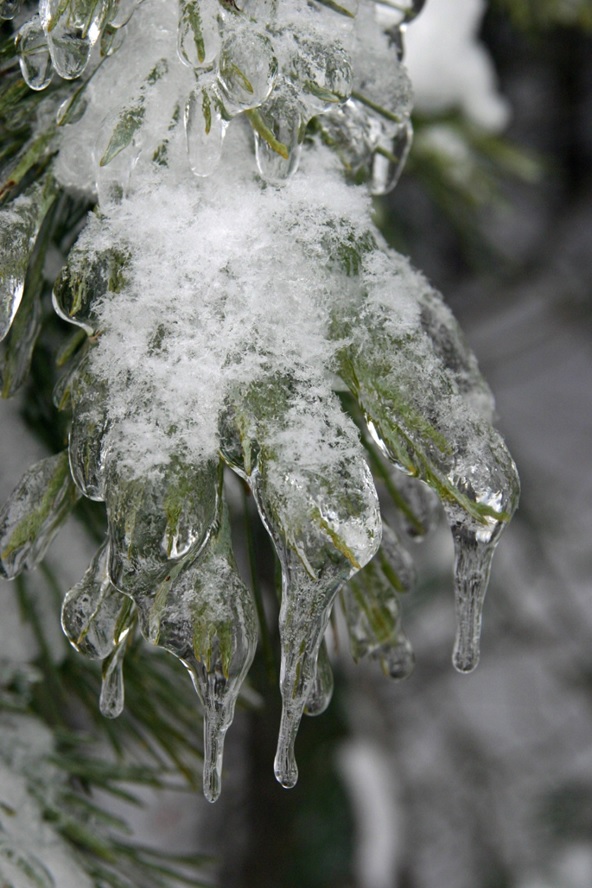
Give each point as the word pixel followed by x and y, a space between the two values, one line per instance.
pixel 450 68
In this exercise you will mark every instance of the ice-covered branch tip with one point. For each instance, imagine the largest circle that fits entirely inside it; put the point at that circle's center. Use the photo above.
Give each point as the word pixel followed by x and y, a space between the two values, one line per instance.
pixel 221 316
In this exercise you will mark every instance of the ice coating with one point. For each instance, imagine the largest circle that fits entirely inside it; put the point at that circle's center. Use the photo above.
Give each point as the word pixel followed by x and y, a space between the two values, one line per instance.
pixel 224 302
pixel 221 64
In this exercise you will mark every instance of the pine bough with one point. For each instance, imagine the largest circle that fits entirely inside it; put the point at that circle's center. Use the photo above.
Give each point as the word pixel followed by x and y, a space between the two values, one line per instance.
pixel 236 308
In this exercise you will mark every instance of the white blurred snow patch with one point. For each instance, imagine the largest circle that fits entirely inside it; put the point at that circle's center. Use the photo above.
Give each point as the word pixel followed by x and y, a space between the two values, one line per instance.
pixel 450 68
pixel 368 775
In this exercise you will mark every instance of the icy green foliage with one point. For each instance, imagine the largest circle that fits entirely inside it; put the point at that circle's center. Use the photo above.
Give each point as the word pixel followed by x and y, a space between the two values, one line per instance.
pixel 222 317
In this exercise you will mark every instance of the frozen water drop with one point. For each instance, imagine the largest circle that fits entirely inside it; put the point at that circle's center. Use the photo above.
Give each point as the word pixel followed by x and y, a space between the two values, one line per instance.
pixel 93 610
pixel 9 8
pixel 198 35
pixel 204 131
pixel 69 49
pixel 325 73
pixel 285 767
pixel 33 52
pixel 112 698
pixel 283 117
pixel 399 660
pixel 122 11
pixel 389 160
pixel 247 70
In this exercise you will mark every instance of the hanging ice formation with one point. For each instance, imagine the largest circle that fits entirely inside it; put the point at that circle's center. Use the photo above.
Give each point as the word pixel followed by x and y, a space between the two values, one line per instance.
pixel 221 305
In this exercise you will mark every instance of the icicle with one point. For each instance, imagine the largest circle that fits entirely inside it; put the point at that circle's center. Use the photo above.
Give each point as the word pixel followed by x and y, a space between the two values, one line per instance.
pixel 33 53
pixel 112 698
pixel 322 688
pixel 488 496
pixel 247 69
pixel 93 611
pixel 471 569
pixel 205 129
pixel 33 514
pixel 283 116
pixel 207 617
pixel 389 160
pixel 198 34
pixel 314 566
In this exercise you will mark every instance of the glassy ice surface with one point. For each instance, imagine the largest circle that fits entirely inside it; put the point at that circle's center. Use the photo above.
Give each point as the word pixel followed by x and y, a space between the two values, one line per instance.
pixel 283 114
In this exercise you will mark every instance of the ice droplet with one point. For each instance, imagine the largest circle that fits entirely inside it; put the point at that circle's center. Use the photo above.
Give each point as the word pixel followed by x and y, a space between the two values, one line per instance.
pixel 322 688
pixel 9 8
pixel 389 160
pixel 205 129
pixel 92 610
pixel 399 661
pixel 69 50
pixel 112 698
pixel 33 52
pixel 198 36
pixel 247 68
pixel 122 12
pixel 283 116
pixel 372 611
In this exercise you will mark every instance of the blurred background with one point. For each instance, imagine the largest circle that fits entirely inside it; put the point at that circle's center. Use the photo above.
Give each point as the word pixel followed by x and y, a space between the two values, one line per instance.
pixel 443 780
